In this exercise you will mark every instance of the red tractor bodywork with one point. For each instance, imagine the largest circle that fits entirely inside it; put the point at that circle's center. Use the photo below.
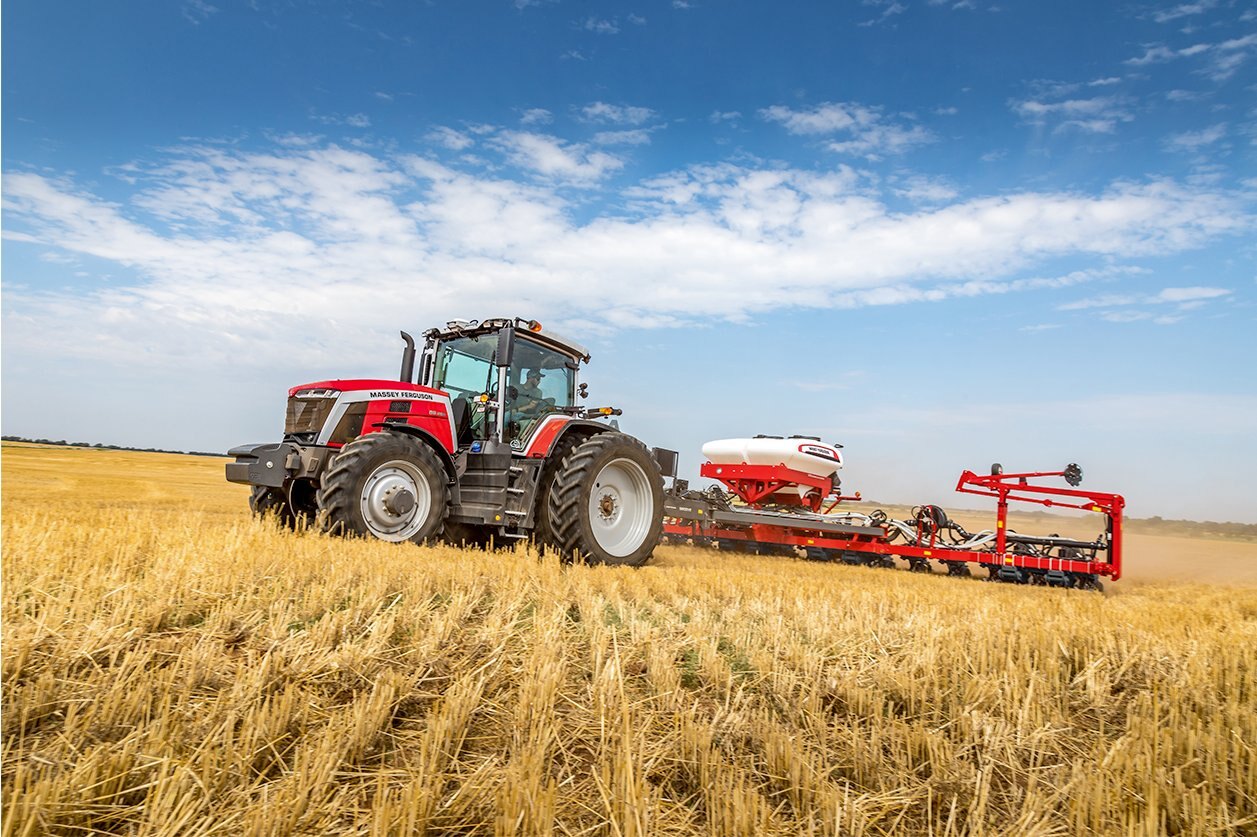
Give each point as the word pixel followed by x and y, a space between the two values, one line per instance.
pixel 393 402
pixel 477 441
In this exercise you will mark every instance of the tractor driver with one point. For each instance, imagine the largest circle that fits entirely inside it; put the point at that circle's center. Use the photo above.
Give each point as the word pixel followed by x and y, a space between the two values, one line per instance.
pixel 530 398
pixel 527 404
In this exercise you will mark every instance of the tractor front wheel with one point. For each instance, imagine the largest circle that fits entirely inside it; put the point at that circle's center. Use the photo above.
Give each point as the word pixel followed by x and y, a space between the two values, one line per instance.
pixel 388 486
pixel 270 503
pixel 606 502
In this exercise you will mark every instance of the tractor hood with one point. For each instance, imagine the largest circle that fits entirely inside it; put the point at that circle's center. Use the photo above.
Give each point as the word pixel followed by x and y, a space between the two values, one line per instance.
pixel 386 388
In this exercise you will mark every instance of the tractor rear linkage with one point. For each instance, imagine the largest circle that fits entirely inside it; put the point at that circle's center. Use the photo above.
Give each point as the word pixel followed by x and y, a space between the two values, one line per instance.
pixel 742 521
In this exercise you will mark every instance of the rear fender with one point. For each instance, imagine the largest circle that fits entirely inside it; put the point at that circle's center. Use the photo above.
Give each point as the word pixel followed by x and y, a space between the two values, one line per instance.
pixel 559 431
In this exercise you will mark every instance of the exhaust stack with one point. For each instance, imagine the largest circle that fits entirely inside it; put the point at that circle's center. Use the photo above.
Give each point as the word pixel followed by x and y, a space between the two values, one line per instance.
pixel 408 360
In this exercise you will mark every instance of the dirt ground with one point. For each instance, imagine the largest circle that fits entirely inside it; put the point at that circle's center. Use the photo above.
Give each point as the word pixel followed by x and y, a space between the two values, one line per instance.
pixel 1156 558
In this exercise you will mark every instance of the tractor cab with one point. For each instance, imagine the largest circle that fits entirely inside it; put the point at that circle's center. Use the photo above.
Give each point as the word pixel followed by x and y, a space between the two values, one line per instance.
pixel 503 377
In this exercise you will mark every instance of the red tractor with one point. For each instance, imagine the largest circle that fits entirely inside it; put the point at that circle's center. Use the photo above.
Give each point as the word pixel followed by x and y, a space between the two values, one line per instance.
pixel 487 443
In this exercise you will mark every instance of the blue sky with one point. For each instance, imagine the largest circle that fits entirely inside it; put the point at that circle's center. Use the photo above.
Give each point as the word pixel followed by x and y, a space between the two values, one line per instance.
pixel 941 233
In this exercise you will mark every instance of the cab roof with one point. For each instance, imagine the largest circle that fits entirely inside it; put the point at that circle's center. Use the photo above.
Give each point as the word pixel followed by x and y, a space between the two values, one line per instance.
pixel 525 329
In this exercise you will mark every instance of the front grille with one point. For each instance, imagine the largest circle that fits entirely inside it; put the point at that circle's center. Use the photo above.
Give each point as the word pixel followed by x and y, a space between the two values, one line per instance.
pixel 307 415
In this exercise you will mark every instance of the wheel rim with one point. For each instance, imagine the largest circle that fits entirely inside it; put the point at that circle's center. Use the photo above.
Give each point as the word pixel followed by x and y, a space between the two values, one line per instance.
pixel 620 507
pixel 396 501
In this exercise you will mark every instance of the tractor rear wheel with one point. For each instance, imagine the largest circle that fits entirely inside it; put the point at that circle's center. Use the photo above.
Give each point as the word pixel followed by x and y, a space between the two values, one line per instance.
pixel 385 485
pixel 606 503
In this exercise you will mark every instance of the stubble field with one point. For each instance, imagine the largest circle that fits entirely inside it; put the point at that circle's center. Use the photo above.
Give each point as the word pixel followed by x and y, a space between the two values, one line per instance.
pixel 171 666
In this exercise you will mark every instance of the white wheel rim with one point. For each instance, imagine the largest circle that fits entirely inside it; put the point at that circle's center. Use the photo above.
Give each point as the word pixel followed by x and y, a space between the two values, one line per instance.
pixel 380 493
pixel 620 507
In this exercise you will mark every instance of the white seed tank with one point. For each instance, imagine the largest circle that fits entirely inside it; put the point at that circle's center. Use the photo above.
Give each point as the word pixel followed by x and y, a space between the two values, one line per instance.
pixel 797 452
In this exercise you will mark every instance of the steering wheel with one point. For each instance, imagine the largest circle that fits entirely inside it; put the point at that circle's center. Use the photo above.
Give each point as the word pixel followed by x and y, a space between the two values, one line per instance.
pixel 535 407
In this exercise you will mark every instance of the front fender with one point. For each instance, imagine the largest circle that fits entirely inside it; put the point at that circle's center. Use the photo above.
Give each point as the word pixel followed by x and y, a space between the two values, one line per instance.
pixel 428 439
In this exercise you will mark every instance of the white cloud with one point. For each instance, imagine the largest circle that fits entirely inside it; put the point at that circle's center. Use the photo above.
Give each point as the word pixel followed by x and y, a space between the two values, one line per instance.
pixel 921 189
pixel 353 120
pixel 1184 10
pixel 1098 115
pixel 551 157
pixel 1191 294
pixel 828 118
pixel 451 139
pixel 1183 95
pixel 636 136
pixel 1222 59
pixel 1125 316
pixel 536 116
pixel 600 26
pixel 1106 301
pixel 1195 140
pixel 867 132
pixel 718 116
pixel 1229 55
pixel 247 257
pixel 616 114
pixel 198 11
pixel 890 8
pixel 1153 54
pixel 1185 299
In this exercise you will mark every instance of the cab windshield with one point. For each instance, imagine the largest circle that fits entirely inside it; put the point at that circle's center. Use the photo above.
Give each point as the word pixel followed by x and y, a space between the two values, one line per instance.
pixel 539 381
pixel 464 366
pixel 546 370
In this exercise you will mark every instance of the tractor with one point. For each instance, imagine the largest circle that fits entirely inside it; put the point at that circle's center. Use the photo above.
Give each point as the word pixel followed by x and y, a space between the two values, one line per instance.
pixel 486 444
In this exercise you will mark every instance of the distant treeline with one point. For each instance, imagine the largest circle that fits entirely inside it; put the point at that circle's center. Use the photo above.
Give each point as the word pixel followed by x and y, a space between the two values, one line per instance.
pixel 64 443
pixel 1193 528
pixel 1162 526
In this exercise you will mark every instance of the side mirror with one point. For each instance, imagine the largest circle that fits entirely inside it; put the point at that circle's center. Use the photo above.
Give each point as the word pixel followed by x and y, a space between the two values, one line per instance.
pixel 506 346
